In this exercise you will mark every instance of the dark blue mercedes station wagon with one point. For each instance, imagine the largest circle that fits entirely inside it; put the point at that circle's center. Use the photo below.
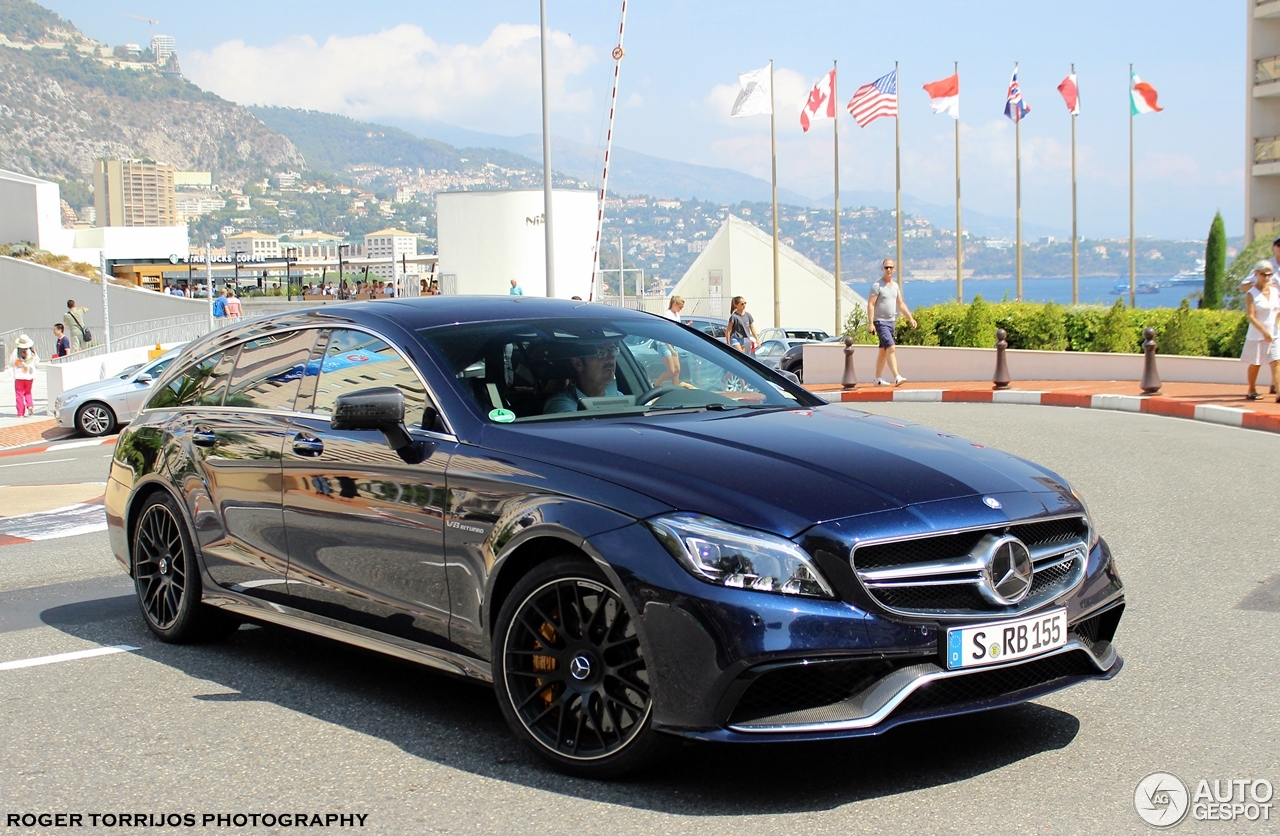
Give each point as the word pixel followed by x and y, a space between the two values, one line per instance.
pixel 633 531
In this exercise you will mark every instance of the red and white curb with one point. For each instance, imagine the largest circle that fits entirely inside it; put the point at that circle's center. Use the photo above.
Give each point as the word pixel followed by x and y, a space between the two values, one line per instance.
pixel 54 446
pixel 81 518
pixel 1150 404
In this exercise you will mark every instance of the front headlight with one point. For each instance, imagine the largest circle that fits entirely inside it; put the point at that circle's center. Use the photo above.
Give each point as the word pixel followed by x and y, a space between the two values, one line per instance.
pixel 61 401
pixel 1088 518
pixel 740 558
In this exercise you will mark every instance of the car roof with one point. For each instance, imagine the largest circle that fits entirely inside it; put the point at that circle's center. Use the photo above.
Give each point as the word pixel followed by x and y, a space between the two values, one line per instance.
pixel 414 314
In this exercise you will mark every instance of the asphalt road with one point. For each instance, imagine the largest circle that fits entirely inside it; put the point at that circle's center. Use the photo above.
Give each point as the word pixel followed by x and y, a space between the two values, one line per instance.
pixel 270 721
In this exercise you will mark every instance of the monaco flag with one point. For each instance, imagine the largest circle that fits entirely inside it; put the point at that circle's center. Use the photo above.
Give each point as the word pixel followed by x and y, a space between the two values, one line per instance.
pixel 944 95
pixel 1143 97
pixel 1070 94
pixel 821 103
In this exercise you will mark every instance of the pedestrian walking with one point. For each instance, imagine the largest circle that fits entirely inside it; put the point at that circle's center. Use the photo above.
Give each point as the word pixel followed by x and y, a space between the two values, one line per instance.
pixel 667 351
pixel 73 323
pixel 741 332
pixel 23 360
pixel 63 345
pixel 884 303
pixel 516 289
pixel 1262 306
pixel 234 310
pixel 220 309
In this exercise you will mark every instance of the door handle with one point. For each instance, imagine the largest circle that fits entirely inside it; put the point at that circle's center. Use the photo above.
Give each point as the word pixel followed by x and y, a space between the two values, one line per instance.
pixel 203 437
pixel 307 445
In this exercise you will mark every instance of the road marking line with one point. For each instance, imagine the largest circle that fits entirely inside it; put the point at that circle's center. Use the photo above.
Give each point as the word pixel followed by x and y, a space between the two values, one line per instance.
pixel 81 518
pixel 71 445
pixel 66 657
pixel 27 464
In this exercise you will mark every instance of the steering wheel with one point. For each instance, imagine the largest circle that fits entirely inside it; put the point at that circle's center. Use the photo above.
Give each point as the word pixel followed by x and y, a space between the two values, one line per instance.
pixel 653 394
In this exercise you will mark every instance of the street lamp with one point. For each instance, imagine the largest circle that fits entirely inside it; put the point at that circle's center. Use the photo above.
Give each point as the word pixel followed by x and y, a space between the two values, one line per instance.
pixel 342 282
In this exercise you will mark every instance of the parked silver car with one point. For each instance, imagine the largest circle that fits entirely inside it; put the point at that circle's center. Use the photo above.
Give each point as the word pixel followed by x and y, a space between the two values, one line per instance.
pixel 99 407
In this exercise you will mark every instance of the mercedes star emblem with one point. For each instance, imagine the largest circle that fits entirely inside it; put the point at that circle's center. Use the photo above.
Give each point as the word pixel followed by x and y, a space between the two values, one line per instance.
pixel 580 667
pixel 1007 569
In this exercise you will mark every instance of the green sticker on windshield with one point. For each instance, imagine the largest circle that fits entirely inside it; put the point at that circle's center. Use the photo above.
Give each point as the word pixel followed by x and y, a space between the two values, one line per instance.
pixel 502 416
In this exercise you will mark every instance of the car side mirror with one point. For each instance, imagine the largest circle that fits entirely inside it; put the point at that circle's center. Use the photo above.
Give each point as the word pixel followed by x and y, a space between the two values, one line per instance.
pixel 789 376
pixel 379 409
pixel 144 379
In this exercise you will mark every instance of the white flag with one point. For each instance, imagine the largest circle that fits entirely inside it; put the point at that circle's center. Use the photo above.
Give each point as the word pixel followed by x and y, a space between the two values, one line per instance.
pixel 755 98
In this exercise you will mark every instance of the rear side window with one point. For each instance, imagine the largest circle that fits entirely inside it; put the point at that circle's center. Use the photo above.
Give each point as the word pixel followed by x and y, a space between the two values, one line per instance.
pixel 354 361
pixel 200 384
pixel 268 371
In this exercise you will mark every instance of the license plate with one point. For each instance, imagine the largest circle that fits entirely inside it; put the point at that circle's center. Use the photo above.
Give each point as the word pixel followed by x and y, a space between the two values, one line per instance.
pixel 1005 641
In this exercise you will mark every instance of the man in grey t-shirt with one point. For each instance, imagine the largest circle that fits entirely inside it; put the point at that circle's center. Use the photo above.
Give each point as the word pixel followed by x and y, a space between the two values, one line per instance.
pixel 884 302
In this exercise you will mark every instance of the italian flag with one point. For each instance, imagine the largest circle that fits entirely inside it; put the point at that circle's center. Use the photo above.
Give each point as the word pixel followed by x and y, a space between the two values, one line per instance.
pixel 1142 96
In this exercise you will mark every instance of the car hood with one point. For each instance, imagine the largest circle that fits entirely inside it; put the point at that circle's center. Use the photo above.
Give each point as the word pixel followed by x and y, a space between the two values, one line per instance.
pixel 783 471
pixel 100 388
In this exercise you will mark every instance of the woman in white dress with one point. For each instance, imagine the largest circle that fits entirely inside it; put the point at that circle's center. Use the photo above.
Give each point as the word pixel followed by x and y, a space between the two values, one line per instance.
pixel 1261 304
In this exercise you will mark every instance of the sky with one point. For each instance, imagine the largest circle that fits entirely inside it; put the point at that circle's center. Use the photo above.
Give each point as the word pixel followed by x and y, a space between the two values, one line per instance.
pixel 476 65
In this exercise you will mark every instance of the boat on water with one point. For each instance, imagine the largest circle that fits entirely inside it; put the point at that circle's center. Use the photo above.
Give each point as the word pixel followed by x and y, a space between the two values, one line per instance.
pixel 1195 276
pixel 1142 287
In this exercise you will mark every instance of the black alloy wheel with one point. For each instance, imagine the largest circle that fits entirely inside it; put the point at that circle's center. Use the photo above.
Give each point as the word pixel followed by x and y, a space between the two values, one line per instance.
pixel 570 674
pixel 95 418
pixel 167 578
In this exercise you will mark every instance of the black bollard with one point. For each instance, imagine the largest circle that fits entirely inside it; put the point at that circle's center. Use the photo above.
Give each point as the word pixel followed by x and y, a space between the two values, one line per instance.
pixel 850 378
pixel 1001 379
pixel 1150 377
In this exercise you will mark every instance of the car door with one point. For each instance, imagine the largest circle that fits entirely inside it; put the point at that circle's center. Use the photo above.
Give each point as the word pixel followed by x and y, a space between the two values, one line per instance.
pixel 365 523
pixel 138 390
pixel 233 438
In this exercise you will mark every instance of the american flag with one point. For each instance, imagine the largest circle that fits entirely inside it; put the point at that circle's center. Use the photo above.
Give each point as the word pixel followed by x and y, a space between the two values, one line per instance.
pixel 1014 107
pixel 871 101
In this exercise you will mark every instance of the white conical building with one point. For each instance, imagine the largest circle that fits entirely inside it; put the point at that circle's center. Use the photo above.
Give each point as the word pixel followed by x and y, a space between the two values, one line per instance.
pixel 738 261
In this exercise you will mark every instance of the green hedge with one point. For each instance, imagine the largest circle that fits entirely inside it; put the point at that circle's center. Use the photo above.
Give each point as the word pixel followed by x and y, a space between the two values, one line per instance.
pixel 1053 327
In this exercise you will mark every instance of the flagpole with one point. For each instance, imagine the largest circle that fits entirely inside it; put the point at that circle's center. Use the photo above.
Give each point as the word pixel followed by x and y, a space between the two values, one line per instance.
pixel 1075 236
pixel 835 133
pixel 959 227
pixel 1133 277
pixel 897 179
pixel 1017 189
pixel 546 164
pixel 773 154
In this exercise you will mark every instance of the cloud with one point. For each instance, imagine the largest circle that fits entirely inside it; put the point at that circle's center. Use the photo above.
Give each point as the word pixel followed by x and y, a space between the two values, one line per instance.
pixel 494 85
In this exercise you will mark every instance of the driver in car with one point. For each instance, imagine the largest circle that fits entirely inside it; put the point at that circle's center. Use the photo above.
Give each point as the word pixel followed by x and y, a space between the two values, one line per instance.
pixel 594 365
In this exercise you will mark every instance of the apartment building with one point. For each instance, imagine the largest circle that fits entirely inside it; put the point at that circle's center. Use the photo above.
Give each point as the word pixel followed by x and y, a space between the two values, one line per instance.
pixel 163 46
pixel 253 245
pixel 391 243
pixel 134 193
pixel 1262 118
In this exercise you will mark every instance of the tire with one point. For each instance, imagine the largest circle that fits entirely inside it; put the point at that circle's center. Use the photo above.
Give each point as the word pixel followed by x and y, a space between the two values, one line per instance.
pixel 577 694
pixel 95 419
pixel 166 577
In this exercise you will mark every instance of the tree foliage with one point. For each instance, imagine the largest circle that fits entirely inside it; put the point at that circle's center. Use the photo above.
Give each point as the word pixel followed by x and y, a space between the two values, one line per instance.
pixel 1215 263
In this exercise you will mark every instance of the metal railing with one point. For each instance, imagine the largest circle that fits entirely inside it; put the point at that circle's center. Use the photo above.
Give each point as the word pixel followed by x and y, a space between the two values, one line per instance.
pixel 41 336
pixel 1266 70
pixel 146 333
pixel 1266 149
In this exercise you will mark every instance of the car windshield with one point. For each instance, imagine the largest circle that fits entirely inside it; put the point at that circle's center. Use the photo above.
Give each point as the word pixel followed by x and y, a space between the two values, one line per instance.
pixel 558 369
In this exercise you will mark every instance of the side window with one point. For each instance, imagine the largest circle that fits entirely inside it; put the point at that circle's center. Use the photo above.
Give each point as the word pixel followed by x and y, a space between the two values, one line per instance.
pixel 268 371
pixel 201 384
pixel 354 361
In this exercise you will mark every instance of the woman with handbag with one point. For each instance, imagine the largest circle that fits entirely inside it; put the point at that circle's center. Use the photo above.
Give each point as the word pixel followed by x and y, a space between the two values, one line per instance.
pixel 23 360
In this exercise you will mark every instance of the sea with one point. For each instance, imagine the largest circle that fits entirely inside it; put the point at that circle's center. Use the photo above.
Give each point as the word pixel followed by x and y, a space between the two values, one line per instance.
pixel 1094 290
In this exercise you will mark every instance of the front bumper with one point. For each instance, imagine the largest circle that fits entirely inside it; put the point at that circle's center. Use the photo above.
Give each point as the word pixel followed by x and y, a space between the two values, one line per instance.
pixel 67 415
pixel 735 665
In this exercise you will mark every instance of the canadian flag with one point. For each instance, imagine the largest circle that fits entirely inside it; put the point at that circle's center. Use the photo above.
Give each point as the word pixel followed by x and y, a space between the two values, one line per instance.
pixel 821 103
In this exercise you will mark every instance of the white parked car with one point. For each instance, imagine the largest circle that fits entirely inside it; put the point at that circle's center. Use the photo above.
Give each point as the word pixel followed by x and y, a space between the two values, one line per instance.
pixel 98 408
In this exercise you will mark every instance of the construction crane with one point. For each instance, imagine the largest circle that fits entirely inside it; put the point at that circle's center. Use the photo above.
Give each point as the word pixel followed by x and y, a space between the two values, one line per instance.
pixel 150 23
